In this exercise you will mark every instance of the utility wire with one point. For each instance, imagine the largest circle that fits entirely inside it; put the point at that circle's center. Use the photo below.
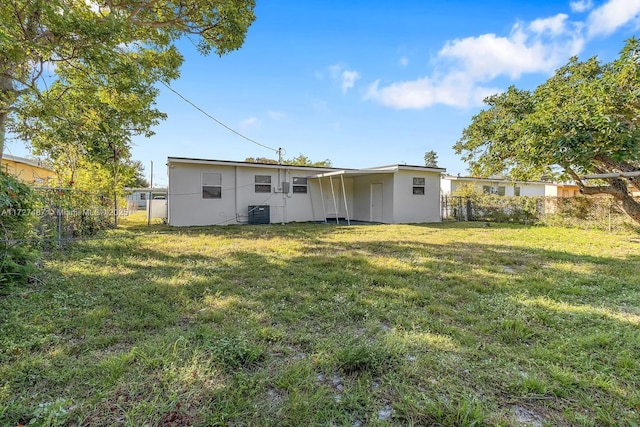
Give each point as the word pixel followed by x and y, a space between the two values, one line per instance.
pixel 216 120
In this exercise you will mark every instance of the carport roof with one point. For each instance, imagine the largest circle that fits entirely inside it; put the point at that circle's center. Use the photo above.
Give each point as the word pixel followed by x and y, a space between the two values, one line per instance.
pixel 377 170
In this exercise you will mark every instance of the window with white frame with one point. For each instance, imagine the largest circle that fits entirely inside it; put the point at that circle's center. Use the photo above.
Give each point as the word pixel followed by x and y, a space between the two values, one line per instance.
pixel 211 185
pixel 300 184
pixel 262 183
pixel 418 186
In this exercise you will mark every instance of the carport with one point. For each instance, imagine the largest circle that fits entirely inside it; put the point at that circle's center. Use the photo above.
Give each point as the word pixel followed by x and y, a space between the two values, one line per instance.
pixel 337 190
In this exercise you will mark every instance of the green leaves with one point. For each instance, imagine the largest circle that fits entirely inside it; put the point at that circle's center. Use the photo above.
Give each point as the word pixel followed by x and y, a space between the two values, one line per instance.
pixel 101 62
pixel 582 120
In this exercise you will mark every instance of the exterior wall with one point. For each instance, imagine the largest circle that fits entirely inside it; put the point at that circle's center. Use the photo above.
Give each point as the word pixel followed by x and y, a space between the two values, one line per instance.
pixel 551 191
pixel 187 207
pixel 564 190
pixel 362 202
pixel 532 190
pixel 27 173
pixel 413 208
pixel 446 185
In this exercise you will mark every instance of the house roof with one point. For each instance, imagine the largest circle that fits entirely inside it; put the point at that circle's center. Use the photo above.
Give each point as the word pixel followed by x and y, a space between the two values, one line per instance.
pixel 146 189
pixel 171 160
pixel 394 168
pixel 320 172
pixel 378 170
pixel 31 162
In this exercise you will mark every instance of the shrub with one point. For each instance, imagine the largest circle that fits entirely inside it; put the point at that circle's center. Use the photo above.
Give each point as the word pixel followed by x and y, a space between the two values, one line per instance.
pixel 18 218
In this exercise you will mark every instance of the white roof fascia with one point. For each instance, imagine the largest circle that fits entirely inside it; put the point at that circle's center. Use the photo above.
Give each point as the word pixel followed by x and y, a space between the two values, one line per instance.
pixel 171 160
pixel 422 168
pixel 352 172
pixel 408 167
pixel 146 189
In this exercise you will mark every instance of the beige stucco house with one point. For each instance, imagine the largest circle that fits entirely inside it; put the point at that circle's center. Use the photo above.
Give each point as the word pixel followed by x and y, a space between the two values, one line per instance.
pixel 29 171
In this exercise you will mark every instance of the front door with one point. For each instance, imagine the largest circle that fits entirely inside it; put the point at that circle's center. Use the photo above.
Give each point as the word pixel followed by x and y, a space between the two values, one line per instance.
pixel 376 203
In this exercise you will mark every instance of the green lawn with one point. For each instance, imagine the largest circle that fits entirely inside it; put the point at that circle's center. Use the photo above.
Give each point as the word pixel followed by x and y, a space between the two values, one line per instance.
pixel 315 324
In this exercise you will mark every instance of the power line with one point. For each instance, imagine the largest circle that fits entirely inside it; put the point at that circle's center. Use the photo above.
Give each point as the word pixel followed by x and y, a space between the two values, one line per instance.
pixel 216 120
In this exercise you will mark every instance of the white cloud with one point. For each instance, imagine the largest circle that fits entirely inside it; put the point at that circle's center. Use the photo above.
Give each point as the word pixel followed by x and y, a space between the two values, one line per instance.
pixel 539 47
pixel 612 15
pixel 404 61
pixel 276 115
pixel 249 123
pixel 581 5
pixel 456 90
pixel 346 78
pixel 465 67
pixel 555 25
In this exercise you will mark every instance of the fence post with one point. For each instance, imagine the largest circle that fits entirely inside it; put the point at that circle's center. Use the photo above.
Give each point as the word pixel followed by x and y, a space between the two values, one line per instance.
pixel 610 212
pixel 115 209
pixel 59 218
pixel 59 225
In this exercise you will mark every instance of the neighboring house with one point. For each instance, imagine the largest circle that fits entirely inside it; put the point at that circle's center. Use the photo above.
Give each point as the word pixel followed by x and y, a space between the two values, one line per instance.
pixel 505 187
pixel 216 192
pixel 568 190
pixel 29 171
pixel 137 197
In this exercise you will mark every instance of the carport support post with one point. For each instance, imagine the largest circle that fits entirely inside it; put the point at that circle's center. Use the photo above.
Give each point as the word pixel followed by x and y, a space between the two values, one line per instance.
pixel 344 195
pixel 335 204
pixel 324 209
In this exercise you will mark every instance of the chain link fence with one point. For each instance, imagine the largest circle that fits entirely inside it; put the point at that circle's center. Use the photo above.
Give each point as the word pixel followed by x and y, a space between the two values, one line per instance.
pixel 61 214
pixel 600 212
pixel 42 218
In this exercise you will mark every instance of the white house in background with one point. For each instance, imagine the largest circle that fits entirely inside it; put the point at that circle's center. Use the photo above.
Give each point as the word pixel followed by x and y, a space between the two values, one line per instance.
pixel 216 192
pixel 505 187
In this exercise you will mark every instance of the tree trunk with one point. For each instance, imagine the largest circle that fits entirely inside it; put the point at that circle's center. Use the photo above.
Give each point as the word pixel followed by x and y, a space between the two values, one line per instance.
pixel 619 190
pixel 6 91
pixel 631 207
pixel 3 131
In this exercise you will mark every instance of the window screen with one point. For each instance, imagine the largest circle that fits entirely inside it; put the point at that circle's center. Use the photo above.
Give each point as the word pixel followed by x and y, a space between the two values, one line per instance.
pixel 418 186
pixel 263 183
pixel 211 186
pixel 300 184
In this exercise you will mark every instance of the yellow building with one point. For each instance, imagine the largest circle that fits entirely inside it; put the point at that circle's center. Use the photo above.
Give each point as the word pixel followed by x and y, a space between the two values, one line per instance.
pixel 29 171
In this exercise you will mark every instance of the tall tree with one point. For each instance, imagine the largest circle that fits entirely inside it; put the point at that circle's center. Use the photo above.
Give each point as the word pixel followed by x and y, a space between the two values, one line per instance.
pixel 431 159
pixel 138 179
pixel 93 41
pixel 582 121
pixel 302 160
pixel 299 160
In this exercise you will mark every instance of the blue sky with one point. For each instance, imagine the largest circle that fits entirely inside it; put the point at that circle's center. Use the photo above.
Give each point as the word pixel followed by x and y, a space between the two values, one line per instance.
pixel 370 83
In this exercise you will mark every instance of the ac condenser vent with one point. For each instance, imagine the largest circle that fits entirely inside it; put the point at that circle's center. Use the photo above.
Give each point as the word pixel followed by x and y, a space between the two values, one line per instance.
pixel 259 214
